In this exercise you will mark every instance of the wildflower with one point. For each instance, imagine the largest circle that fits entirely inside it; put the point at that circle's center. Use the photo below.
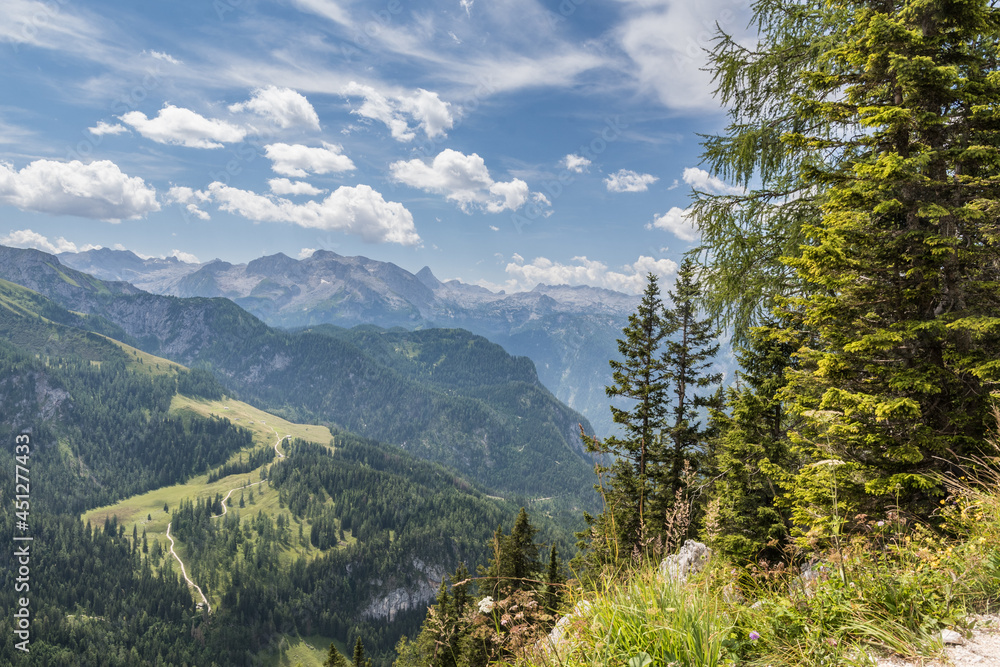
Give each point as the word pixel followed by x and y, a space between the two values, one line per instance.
pixel 486 605
pixel 754 635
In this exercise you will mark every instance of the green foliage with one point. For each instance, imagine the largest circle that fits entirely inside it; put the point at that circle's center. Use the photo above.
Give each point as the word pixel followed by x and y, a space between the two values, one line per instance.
pixel 644 620
pixel 666 357
pixel 335 658
pixel 752 457
pixel 458 632
pixel 871 131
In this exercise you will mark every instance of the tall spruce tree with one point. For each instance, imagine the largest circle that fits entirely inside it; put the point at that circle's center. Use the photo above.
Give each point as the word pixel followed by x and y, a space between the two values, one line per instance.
pixel 360 660
pixel 514 565
pixel 874 131
pixel 640 378
pixel 690 350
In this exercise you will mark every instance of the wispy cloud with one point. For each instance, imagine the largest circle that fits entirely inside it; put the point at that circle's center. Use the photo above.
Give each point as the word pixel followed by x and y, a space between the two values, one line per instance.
pixel 396 111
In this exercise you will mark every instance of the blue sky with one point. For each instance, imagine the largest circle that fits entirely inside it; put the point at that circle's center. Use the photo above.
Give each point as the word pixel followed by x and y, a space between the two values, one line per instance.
pixel 504 143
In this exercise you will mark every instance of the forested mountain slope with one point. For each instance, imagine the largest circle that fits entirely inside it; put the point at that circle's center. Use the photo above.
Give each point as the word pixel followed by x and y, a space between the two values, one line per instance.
pixel 348 541
pixel 569 332
pixel 506 432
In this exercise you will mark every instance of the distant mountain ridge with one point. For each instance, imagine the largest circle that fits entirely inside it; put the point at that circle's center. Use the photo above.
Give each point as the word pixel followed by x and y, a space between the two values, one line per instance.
pixel 569 331
pixel 445 395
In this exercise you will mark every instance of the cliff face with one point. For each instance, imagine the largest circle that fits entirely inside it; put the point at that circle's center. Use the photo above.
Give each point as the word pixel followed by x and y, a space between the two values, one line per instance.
pixel 416 596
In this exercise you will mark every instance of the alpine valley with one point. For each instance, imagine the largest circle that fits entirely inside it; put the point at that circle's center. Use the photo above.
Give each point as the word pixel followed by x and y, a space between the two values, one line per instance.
pixel 569 332
pixel 228 492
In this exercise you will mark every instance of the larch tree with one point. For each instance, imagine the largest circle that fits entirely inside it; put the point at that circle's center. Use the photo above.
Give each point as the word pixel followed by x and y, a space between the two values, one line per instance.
pixel 867 135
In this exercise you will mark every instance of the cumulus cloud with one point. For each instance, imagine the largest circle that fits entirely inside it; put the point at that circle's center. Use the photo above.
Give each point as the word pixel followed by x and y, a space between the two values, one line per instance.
pixel 25 238
pixel 103 128
pixel 423 107
pixel 630 278
pixel 283 186
pixel 97 190
pixel 354 210
pixel 625 180
pixel 699 179
pixel 306 252
pixel 576 163
pixel 678 222
pixel 463 179
pixel 668 41
pixel 183 127
pixel 185 257
pixel 282 106
pixel 189 199
pixel 299 161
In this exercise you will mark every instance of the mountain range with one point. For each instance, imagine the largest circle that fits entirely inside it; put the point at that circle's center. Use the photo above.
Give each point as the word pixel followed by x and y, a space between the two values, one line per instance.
pixel 569 332
pixel 447 396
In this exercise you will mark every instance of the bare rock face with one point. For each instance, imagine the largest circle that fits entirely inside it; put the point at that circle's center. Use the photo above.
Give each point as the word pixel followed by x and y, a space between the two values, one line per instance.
pixel 404 598
pixel 690 559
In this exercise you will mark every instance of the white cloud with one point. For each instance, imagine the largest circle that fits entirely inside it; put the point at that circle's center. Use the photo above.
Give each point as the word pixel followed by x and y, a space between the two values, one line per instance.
pixel 625 180
pixel 283 186
pixel 576 163
pixel 183 127
pixel 463 179
pixel 630 278
pixel 354 210
pixel 494 228
pixel 668 41
pixel 25 238
pixel 282 106
pixel 166 57
pixel 299 161
pixel 103 128
pixel 699 179
pixel 187 198
pixel 306 252
pixel 97 190
pixel 185 257
pixel 678 222
pixel 431 114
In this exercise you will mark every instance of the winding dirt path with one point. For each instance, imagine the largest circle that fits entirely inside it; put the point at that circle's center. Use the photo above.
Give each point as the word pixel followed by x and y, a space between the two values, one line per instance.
pixel 225 510
pixel 184 571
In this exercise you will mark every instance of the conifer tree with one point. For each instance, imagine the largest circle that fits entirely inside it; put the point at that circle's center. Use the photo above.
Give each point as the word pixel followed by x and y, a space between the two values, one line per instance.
pixel 752 457
pixel 514 565
pixel 554 581
pixel 359 655
pixel 873 133
pixel 334 658
pixel 640 378
pixel 690 349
